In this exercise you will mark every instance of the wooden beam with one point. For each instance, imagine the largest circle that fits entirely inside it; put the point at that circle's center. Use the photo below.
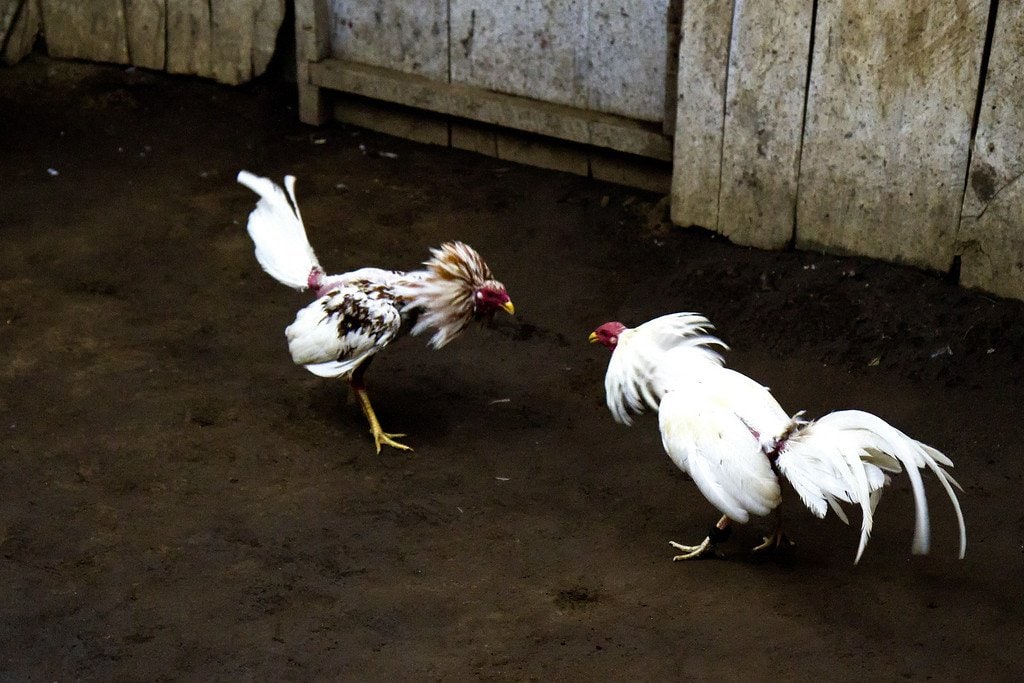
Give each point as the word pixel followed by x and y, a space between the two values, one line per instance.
pixel 455 99
pixel 311 45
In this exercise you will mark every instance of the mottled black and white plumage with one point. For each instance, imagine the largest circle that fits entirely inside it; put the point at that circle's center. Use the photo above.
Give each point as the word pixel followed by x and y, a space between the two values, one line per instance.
pixel 356 314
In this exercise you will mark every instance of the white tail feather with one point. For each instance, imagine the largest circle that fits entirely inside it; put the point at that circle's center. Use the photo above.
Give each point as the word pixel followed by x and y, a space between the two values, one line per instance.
pixel 276 228
pixel 844 457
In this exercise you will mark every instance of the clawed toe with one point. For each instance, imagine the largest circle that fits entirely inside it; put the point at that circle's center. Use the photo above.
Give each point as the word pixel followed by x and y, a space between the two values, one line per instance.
pixel 386 439
pixel 692 552
pixel 774 542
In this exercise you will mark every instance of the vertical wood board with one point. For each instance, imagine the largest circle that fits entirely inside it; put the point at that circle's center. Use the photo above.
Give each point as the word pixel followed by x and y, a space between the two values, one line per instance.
pixel 768 61
pixel 700 114
pixel 888 124
pixel 20 34
pixel 991 237
pixel 188 37
pixel 93 30
pixel 530 48
pixel 998 153
pixel 267 18
pixel 411 37
pixel 231 43
pixel 9 10
pixel 147 33
pixel 312 44
pixel 627 50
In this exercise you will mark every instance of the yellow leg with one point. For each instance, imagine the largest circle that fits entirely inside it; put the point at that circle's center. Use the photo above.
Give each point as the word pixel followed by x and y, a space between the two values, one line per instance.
pixel 379 435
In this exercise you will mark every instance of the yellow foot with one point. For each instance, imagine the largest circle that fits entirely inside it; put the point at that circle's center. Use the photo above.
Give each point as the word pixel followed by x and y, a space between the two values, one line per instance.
pixel 692 552
pixel 777 541
pixel 382 438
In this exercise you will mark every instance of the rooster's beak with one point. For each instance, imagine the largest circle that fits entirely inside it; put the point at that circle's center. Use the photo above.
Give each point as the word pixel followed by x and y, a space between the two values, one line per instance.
pixel 593 337
pixel 509 308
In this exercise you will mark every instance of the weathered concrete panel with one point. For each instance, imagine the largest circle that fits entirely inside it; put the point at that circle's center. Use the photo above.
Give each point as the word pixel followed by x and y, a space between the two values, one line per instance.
pixel 21 26
pixel 626 49
pixel 768 62
pixel 147 32
pixel 991 237
pixel 885 148
pixel 93 30
pixel 530 48
pixel 700 115
pixel 411 37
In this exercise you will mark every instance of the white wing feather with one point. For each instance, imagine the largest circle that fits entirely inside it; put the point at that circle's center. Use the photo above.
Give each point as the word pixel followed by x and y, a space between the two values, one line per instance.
pixel 340 330
pixel 636 376
pixel 711 442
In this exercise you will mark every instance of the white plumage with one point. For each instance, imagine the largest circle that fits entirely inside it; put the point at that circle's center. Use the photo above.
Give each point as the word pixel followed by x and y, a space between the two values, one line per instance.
pixel 276 228
pixel 733 438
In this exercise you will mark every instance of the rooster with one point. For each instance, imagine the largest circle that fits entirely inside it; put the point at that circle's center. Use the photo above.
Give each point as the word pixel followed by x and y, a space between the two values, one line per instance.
pixel 356 314
pixel 733 438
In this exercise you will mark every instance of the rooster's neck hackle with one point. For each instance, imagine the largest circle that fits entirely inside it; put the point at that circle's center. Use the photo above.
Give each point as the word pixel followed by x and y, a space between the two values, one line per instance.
pixel 442 294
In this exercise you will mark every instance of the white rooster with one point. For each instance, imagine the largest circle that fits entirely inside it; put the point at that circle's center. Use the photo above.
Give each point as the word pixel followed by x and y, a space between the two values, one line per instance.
pixel 733 438
pixel 358 313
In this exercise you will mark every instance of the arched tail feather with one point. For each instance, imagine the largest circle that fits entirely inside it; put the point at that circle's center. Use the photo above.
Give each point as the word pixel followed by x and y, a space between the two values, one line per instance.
pixel 276 228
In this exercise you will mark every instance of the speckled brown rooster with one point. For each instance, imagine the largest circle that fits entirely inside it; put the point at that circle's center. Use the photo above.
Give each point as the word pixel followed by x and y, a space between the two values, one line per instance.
pixel 356 314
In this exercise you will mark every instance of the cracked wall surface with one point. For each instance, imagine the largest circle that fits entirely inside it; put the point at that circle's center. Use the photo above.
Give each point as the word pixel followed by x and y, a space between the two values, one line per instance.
pixel 991 236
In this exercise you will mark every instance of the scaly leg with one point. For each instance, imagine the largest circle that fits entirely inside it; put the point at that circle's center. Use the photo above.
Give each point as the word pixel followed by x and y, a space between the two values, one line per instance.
pixel 379 435
pixel 718 533
pixel 777 540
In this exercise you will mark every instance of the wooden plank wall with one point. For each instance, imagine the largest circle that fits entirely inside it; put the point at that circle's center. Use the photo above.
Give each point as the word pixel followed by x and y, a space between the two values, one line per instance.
pixel 991 238
pixel 603 56
pixel 227 41
pixel 846 126
pixel 892 94
pixel 850 126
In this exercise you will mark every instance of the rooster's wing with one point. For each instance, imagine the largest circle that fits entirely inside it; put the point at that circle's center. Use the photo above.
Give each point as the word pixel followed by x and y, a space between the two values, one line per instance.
pixel 333 335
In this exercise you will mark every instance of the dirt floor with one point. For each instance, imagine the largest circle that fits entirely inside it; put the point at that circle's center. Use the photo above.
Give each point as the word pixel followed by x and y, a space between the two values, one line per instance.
pixel 179 501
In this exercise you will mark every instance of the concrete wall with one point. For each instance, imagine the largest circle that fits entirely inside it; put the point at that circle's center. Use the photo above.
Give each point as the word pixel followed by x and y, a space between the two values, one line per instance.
pixel 230 41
